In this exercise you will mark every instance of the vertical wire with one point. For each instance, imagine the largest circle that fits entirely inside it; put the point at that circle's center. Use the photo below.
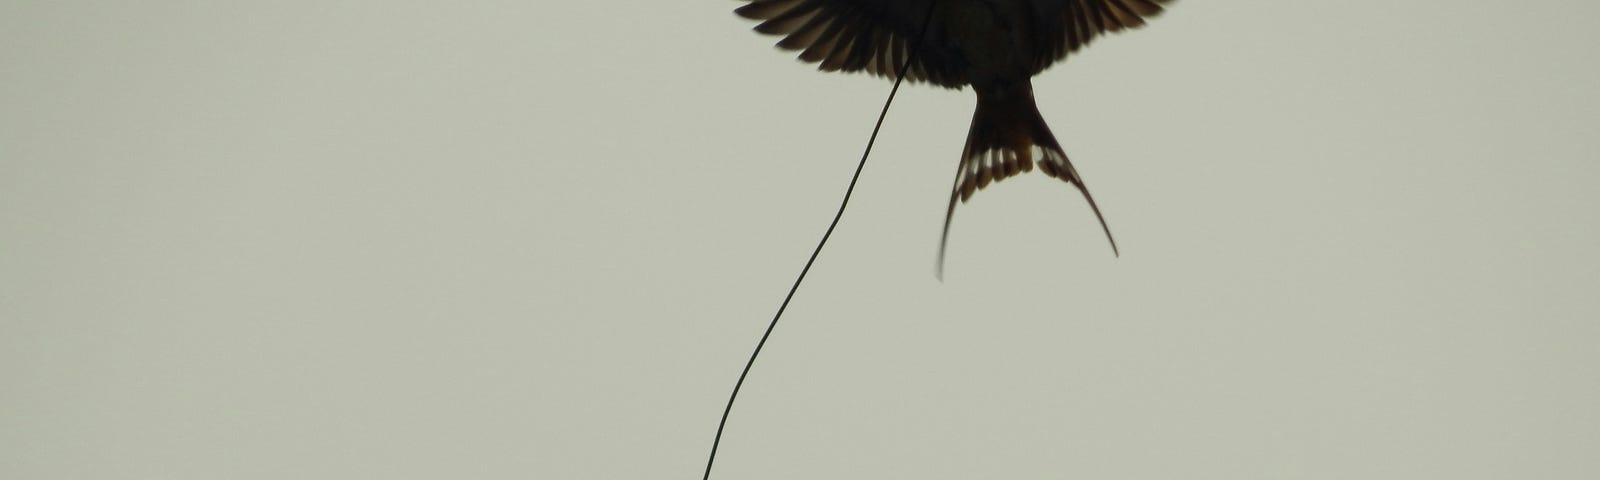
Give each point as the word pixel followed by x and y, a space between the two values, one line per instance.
pixel 717 441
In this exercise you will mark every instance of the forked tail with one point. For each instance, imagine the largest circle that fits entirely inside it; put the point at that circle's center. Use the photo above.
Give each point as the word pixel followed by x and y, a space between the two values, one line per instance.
pixel 1007 137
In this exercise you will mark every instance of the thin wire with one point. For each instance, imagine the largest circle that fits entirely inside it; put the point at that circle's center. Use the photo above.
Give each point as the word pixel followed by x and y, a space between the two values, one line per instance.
pixel 711 459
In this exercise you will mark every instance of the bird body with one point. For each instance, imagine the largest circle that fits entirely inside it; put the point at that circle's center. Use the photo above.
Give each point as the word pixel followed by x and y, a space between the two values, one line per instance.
pixel 994 46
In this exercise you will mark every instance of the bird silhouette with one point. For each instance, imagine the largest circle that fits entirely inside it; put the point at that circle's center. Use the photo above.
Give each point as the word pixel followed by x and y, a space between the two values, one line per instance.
pixel 994 46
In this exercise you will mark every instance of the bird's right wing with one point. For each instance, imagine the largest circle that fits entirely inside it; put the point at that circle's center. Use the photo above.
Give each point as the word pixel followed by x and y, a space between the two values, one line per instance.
pixel 875 36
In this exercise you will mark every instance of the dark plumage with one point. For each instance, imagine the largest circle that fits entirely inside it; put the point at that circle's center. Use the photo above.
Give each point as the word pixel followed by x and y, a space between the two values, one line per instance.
pixel 995 46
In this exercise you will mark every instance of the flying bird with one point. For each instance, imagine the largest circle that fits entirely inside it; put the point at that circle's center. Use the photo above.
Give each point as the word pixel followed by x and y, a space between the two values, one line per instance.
pixel 993 46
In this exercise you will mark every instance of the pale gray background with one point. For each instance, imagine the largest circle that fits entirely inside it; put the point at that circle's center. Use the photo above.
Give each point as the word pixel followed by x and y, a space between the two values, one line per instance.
pixel 536 239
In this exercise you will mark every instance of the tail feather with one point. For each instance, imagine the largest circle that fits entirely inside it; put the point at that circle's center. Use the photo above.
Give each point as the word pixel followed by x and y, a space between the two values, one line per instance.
pixel 1008 135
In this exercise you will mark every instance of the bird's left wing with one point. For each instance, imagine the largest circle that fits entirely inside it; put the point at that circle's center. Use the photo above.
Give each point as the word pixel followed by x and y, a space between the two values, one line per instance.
pixel 1064 26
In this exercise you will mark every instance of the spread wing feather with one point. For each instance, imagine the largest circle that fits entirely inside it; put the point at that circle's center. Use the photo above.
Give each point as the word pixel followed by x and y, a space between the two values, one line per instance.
pixel 1068 25
pixel 875 35
pixel 857 35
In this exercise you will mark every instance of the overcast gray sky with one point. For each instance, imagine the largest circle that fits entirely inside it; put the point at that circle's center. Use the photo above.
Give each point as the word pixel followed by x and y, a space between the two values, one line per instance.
pixel 537 239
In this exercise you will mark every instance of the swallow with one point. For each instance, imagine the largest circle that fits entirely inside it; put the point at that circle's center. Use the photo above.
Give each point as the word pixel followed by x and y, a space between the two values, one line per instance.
pixel 993 46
